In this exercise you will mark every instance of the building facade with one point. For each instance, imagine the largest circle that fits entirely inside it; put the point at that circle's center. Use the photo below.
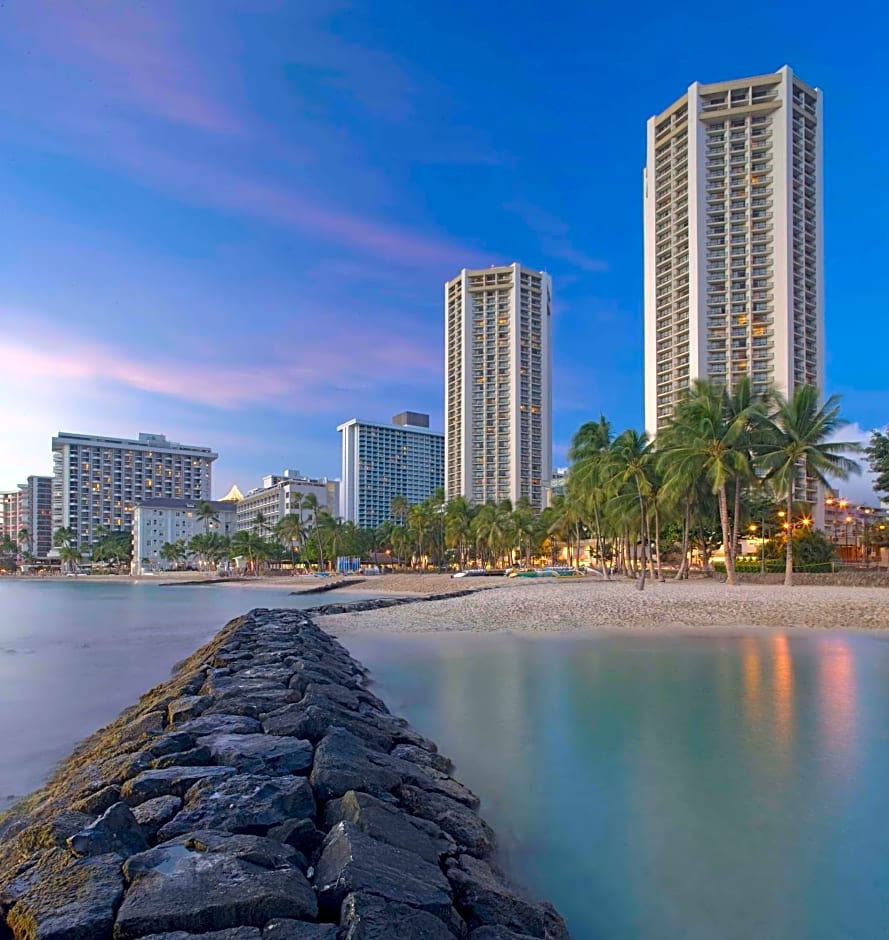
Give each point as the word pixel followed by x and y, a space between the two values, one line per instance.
pixel 498 385
pixel 157 521
pixel 11 513
pixel 382 461
pixel 98 481
pixel 733 240
pixel 285 494
pixel 36 514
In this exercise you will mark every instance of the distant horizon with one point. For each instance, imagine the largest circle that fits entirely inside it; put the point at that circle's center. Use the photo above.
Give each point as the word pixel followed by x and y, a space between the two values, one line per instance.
pixel 237 228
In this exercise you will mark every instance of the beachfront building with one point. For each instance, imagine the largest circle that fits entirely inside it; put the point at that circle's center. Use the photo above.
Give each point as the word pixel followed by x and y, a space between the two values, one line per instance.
pixel 158 521
pixel 261 509
pixel 498 384
pixel 382 461
pixel 98 481
pixel 557 485
pixel 11 513
pixel 36 514
pixel 733 240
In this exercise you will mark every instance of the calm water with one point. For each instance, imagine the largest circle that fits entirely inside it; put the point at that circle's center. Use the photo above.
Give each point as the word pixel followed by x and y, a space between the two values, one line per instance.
pixel 671 787
pixel 72 656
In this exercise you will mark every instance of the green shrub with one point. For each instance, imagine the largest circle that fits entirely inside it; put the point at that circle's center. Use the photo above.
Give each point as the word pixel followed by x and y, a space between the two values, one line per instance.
pixel 774 566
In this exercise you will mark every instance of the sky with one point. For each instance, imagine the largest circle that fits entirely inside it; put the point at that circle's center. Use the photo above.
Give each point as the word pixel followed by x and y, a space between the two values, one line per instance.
pixel 230 221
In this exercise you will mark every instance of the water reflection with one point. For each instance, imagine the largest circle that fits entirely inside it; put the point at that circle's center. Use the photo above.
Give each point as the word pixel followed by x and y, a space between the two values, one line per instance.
pixel 782 688
pixel 836 675
pixel 698 787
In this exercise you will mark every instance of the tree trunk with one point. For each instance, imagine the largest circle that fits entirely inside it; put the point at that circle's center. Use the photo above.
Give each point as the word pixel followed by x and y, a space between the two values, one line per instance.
pixel 657 543
pixel 686 538
pixel 600 542
pixel 726 535
pixel 736 519
pixel 642 515
pixel 646 550
pixel 788 568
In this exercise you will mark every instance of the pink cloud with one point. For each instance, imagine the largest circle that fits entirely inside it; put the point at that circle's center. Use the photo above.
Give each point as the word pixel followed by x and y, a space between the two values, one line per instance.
pixel 128 53
pixel 318 375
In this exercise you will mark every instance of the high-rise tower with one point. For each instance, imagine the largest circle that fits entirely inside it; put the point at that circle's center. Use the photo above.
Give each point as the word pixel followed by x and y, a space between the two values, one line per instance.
pixel 733 240
pixel 498 385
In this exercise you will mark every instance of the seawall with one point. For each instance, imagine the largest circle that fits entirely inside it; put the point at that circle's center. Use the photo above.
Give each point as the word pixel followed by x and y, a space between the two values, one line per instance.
pixel 263 793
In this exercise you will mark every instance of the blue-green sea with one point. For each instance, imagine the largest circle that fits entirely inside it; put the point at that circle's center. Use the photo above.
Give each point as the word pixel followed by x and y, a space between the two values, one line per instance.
pixel 653 786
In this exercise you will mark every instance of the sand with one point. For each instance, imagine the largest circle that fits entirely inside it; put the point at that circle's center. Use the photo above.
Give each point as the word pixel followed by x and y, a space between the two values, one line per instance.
pixel 553 606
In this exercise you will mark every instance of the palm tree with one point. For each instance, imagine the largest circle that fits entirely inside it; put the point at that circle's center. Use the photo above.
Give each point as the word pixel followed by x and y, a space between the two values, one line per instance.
pixel 458 527
pixel 63 536
pixel 249 545
pixel 260 524
pixel 631 460
pixel 587 478
pixel 420 524
pixel 69 555
pixel 291 531
pixel 24 539
pixel 796 446
pixel 174 552
pixel 399 508
pixel 205 513
pixel 707 440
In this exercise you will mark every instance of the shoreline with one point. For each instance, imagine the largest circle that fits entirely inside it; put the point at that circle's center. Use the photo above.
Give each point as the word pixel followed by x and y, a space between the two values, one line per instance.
pixel 536 608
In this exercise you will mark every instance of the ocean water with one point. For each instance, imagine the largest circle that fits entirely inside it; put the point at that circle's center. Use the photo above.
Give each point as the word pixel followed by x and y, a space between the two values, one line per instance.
pixel 73 655
pixel 692 786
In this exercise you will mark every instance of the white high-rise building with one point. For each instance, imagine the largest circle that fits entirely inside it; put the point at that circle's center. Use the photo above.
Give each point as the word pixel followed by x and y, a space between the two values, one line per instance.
pixel 283 494
pixel 498 385
pixel 382 461
pixel 733 240
pixel 97 481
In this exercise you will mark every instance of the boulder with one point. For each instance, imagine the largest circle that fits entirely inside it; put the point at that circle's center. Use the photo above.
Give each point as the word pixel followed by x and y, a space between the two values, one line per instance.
pixel 152 814
pixel 179 888
pixel 170 780
pixel 96 803
pixel 234 933
pixel 352 861
pixel 484 900
pixel 221 724
pixel 116 830
pixel 300 833
pixel 253 702
pixel 52 834
pixel 149 723
pixel 498 933
pixel 343 763
pixel 280 929
pixel 187 707
pixel 124 766
pixel 242 803
pixel 391 825
pixel 471 833
pixel 314 716
pixel 66 898
pixel 176 742
pixel 195 757
pixel 367 917
pixel 260 753
pixel 257 850
pixel 429 759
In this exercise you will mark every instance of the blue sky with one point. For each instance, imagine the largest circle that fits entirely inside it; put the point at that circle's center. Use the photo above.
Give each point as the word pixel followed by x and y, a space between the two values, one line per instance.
pixel 231 222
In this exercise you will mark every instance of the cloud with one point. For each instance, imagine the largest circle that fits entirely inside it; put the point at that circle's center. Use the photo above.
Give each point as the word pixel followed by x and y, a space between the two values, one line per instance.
pixel 307 374
pixel 129 55
pixel 553 235
pixel 857 489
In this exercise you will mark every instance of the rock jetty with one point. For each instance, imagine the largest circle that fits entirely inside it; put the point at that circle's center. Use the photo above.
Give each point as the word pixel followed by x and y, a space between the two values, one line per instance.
pixel 263 793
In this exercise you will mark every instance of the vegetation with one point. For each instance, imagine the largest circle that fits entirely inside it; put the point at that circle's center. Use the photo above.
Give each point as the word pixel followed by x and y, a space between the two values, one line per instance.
pixel 728 464
pixel 878 460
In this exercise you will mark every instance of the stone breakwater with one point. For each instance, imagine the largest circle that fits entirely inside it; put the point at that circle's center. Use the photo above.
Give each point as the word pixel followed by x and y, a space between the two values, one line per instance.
pixel 263 793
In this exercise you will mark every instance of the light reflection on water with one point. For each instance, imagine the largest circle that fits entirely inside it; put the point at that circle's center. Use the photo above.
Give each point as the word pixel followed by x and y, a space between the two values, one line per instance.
pixel 670 786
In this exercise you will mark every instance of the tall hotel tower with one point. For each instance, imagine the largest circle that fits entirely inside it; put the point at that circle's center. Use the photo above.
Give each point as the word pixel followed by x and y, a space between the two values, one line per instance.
pixel 733 240
pixel 498 378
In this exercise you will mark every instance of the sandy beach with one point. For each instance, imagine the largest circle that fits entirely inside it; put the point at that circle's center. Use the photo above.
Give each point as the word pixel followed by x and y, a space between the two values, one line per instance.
pixel 573 606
